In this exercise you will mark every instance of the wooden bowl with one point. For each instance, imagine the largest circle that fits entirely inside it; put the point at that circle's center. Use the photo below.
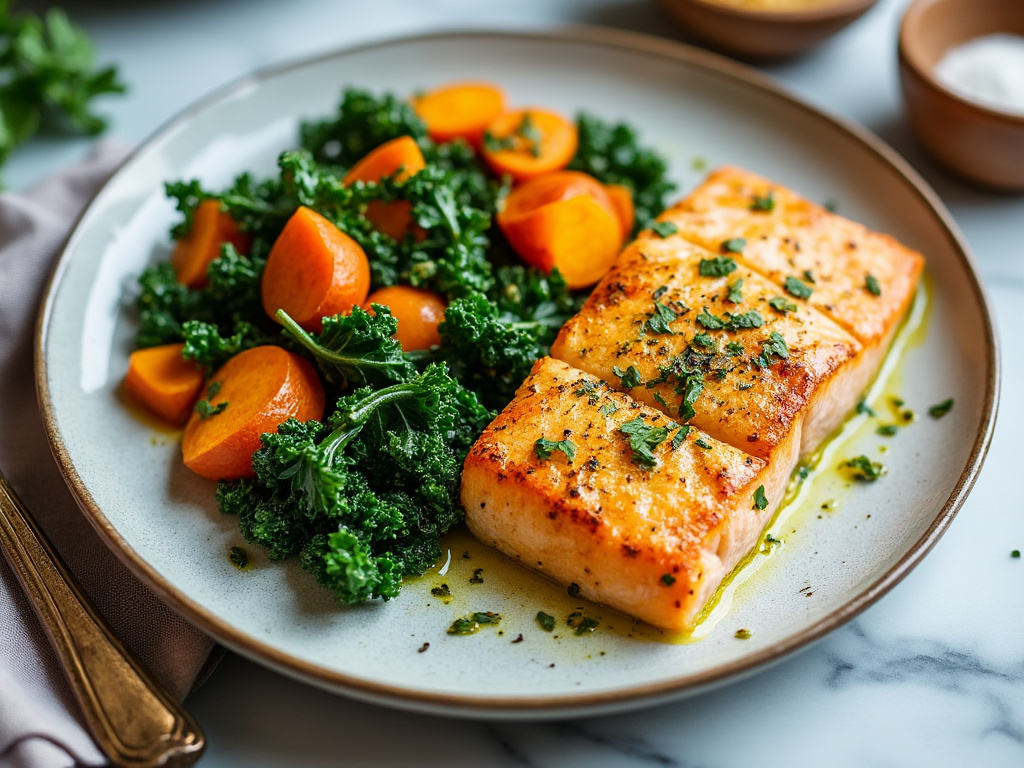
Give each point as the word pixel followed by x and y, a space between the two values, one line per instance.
pixel 764 34
pixel 983 145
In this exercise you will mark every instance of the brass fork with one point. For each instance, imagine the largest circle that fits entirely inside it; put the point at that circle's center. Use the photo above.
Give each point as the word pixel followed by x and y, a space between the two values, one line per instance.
pixel 132 717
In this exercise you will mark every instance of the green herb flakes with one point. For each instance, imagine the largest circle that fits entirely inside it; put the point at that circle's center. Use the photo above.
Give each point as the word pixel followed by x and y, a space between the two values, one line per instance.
pixel 735 294
pixel 871 283
pixel 773 346
pixel 546 621
pixel 733 245
pixel 809 276
pixel 443 591
pixel 644 438
pixel 941 409
pixel 581 623
pixel 710 321
pixel 764 203
pixel 704 341
pixel 887 430
pixel 743 634
pixel 782 304
pixel 629 378
pixel 865 469
pixel 477 577
pixel 1015 554
pixel 239 558
pixel 864 408
pixel 659 292
pixel 470 625
pixel 668 579
pixel 574 590
pixel 719 266
pixel 798 288
pixel 205 408
pixel 734 348
pixel 680 437
pixel 760 500
pixel 751 319
pixel 664 228
pixel 662 318
pixel 700 442
pixel 608 409
pixel 544 448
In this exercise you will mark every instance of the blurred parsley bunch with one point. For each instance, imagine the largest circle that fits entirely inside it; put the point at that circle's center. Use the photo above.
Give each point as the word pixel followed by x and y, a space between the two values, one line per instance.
pixel 48 77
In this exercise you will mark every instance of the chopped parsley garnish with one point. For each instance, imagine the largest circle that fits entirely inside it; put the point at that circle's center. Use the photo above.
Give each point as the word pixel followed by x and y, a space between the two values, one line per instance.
pixel 1015 554
pixel 765 203
pixel 704 340
pixel 659 292
pixel 734 348
pixel 580 623
pixel 887 430
pixel 711 322
pixel 733 245
pixel 782 304
pixel 743 634
pixel 608 409
pixel 477 577
pixel 668 579
pixel 773 346
pixel 574 590
pixel 660 399
pixel 205 408
pixel 644 438
pixel 629 378
pixel 546 621
pixel 719 266
pixel 863 407
pixel 701 443
pixel 941 409
pixel 867 470
pixel 469 625
pixel 544 448
pixel 664 228
pixel 796 287
pixel 680 437
pixel 239 558
pixel 760 500
pixel 735 294
pixel 809 276
pixel 444 591
pixel 871 283
pixel 662 318
pixel 751 319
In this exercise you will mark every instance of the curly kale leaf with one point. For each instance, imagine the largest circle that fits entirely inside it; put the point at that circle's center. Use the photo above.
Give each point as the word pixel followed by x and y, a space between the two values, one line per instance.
pixel 363 122
pixel 613 155
pixel 365 498
pixel 205 344
pixel 356 349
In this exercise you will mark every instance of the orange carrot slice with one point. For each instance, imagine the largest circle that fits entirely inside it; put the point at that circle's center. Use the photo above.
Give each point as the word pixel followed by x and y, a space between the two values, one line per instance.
pixel 528 142
pixel 564 220
pixel 164 382
pixel 211 228
pixel 251 394
pixel 622 200
pixel 314 270
pixel 402 158
pixel 460 110
pixel 418 312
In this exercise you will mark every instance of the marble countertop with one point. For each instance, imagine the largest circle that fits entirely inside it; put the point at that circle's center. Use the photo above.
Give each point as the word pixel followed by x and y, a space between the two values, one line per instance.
pixel 933 674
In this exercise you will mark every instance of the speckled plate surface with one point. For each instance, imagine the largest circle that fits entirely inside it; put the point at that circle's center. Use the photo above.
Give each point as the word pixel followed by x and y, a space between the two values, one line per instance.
pixel 163 522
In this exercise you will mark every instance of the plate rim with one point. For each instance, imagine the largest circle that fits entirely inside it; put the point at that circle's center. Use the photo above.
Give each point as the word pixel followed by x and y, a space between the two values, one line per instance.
pixel 481 706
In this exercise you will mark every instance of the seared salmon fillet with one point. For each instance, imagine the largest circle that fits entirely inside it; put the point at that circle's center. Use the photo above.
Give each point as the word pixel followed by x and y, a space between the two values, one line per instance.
pixel 758 320
pixel 712 350
pixel 787 236
pixel 652 532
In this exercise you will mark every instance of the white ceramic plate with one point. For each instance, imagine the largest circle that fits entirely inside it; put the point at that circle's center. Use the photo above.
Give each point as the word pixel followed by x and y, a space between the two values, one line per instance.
pixel 165 524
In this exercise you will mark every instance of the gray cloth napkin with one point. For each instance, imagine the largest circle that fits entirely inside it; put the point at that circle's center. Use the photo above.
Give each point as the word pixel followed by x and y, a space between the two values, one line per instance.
pixel 39 722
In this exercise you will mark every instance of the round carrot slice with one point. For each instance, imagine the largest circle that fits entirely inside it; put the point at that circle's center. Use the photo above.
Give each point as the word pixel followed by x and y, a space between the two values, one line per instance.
pixel 460 110
pixel 528 142
pixel 402 158
pixel 211 228
pixel 314 270
pixel 564 220
pixel 160 379
pixel 251 394
pixel 418 312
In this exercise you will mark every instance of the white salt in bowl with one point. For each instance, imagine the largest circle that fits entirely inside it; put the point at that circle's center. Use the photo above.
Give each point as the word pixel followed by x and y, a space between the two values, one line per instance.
pixel 968 135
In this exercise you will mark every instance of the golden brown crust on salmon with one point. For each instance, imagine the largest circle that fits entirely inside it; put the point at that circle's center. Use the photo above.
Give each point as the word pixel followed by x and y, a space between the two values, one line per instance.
pixel 790 237
pixel 654 541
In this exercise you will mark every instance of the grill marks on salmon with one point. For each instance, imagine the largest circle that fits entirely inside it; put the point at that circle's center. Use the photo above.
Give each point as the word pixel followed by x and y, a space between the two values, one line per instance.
pixel 761 370
pixel 653 541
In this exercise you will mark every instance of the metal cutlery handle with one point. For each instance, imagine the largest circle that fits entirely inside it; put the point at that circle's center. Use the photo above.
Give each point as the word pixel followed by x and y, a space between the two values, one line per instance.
pixel 133 718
